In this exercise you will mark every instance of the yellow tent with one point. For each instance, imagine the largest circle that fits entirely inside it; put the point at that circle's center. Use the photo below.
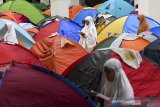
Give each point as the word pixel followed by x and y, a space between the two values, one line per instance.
pixel 114 27
pixel 96 6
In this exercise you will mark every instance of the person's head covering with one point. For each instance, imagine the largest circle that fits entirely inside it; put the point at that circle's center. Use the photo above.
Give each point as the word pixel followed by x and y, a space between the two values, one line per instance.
pixel 90 33
pixel 120 88
pixel 143 25
pixel 90 19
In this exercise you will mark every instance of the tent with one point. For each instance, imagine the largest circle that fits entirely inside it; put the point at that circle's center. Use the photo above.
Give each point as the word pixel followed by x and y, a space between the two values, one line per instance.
pixel 156 31
pixel 25 8
pixel 47 12
pixel 137 44
pixel 152 51
pixel 18 18
pixel 126 24
pixel 96 6
pixel 40 6
pixel 30 85
pixel 79 17
pixel 73 10
pixel 86 73
pixel 117 8
pixel 64 27
pixel 22 35
pixel 58 53
pixel 105 43
pixel 17 53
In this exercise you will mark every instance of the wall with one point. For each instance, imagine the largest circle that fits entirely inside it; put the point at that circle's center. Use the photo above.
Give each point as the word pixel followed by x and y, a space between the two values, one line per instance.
pixel 75 2
pixel 46 2
pixel 1 1
pixel 150 8
pixel 60 7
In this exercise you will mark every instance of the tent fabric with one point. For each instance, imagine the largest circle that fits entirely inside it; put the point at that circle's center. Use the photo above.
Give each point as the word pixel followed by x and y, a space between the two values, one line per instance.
pixel 25 8
pixel 114 27
pixel 132 23
pixel 22 35
pixel 86 72
pixel 55 56
pixel 137 44
pixel 47 31
pixel 17 53
pixel 96 6
pixel 41 87
pixel 117 8
pixel 156 31
pixel 9 16
pixel 73 10
pixel 152 52
pixel 127 24
pixel 105 43
pixel 144 80
pixel 18 18
pixel 47 12
pixel 65 28
pixel 83 14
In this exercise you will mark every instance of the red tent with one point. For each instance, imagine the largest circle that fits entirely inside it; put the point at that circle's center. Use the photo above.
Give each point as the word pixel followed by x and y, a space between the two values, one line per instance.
pixel 32 86
pixel 47 30
pixel 18 54
pixel 86 73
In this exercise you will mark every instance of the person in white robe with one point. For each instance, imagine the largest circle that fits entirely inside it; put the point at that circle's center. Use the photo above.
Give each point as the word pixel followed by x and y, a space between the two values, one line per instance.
pixel 116 84
pixel 88 35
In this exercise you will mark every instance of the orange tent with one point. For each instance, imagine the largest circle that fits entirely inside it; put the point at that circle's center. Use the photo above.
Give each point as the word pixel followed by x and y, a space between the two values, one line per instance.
pixel 73 10
pixel 8 15
pixel 16 17
pixel 32 31
pixel 47 12
pixel 58 53
pixel 137 44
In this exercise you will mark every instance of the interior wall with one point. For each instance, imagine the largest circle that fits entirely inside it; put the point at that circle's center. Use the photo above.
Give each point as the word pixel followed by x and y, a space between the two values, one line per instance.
pixel 149 8
pixel 1 1
pixel 46 2
pixel 56 7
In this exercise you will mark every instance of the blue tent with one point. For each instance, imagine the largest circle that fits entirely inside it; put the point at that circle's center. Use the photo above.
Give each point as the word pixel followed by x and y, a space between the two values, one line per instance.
pixel 64 27
pixel 22 35
pixel 132 23
pixel 117 8
pixel 83 14
pixel 156 31
pixel 69 29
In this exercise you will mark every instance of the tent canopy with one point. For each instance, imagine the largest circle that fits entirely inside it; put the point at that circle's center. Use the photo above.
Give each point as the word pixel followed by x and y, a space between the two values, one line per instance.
pixel 29 85
pixel 17 53
pixel 117 8
pixel 92 66
pixel 65 28
pixel 73 10
pixel 156 31
pixel 127 24
pixel 79 18
pixel 61 52
pixel 152 51
pixel 25 8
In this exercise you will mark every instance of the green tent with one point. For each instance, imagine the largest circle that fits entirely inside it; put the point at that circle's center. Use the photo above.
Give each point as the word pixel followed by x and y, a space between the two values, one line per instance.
pixel 25 8
pixel 106 43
